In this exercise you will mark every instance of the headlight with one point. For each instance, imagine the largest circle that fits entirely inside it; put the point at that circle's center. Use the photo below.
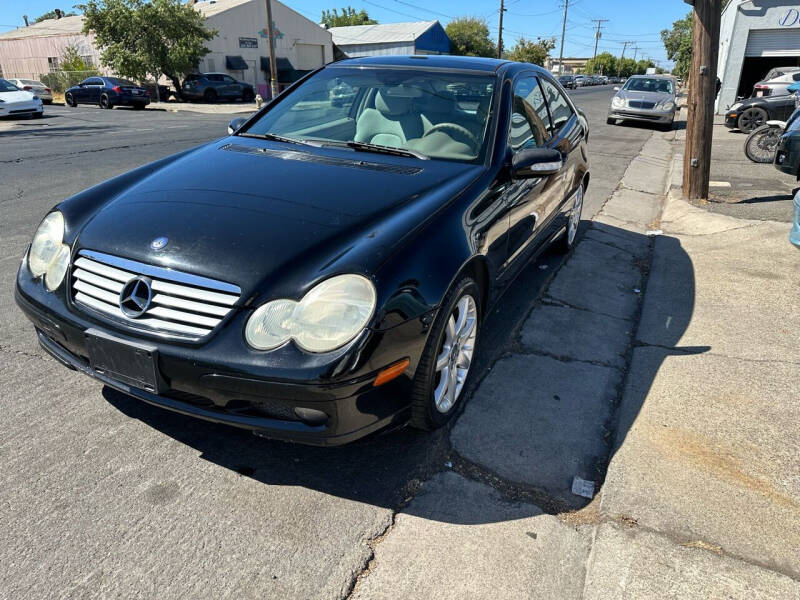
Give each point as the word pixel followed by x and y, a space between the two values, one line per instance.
pixel 49 256
pixel 736 106
pixel 617 102
pixel 328 316
pixel 667 105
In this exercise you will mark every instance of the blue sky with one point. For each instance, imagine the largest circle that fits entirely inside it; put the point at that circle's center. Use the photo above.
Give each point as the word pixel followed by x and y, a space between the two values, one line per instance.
pixel 638 21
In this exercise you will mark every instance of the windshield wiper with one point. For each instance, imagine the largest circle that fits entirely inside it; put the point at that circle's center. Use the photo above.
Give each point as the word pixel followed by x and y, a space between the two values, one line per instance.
pixel 273 137
pixel 366 147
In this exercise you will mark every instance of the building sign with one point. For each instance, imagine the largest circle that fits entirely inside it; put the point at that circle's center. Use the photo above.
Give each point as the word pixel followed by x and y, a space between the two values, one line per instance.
pixel 277 34
pixel 790 18
pixel 248 42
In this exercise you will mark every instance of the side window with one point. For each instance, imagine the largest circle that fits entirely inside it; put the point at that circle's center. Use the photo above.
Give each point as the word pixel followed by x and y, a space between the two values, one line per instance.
pixel 214 77
pixel 530 122
pixel 96 81
pixel 228 79
pixel 560 110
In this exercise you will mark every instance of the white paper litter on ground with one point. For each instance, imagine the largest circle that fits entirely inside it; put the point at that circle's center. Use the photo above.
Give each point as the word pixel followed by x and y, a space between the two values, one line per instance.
pixel 583 488
pixel 653 232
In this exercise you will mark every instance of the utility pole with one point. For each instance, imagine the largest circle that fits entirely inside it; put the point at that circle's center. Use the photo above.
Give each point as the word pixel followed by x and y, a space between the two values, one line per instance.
pixel 563 32
pixel 597 39
pixel 273 67
pixel 702 93
pixel 500 32
pixel 635 52
pixel 624 46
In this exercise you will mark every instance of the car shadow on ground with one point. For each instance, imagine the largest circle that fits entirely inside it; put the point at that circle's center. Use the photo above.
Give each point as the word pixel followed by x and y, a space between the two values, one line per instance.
pixel 385 469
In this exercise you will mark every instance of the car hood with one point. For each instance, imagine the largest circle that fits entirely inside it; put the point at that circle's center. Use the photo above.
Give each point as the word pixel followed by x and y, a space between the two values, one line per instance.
pixel 19 96
pixel 250 212
pixel 645 96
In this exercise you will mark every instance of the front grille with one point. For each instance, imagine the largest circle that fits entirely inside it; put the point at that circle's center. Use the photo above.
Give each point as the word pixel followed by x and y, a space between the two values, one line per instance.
pixel 182 305
pixel 633 115
pixel 641 104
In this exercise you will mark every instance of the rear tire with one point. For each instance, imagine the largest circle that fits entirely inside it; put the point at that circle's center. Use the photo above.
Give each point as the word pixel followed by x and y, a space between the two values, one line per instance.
pixel 105 102
pixel 566 242
pixel 138 106
pixel 447 358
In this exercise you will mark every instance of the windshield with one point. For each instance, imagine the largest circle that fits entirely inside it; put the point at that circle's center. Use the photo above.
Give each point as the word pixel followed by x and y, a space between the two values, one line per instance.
pixel 7 86
pixel 425 112
pixel 649 84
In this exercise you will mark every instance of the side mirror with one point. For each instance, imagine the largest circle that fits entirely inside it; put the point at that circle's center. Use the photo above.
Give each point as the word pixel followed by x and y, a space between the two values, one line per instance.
pixel 536 162
pixel 616 88
pixel 235 124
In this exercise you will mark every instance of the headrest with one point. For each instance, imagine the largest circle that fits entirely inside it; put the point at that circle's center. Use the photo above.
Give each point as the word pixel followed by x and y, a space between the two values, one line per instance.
pixel 396 100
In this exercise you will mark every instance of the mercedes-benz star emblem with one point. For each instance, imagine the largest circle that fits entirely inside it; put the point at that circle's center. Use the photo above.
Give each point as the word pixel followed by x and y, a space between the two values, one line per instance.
pixel 159 243
pixel 135 297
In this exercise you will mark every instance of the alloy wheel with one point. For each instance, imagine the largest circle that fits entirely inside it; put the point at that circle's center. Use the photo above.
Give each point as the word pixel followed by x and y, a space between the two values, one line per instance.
pixel 751 119
pixel 455 355
pixel 575 216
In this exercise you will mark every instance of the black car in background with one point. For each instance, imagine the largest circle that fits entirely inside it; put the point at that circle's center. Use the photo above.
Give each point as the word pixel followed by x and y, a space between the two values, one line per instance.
pixel 568 81
pixel 107 92
pixel 211 87
pixel 746 115
pixel 323 272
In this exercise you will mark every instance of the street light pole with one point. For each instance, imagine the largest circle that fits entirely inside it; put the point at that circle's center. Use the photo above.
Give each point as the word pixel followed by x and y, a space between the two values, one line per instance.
pixel 273 67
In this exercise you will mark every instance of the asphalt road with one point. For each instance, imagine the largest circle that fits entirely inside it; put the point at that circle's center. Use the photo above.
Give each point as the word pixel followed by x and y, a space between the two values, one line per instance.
pixel 105 496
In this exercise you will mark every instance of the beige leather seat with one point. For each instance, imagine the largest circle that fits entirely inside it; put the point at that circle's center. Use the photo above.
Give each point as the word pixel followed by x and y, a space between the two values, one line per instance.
pixel 391 122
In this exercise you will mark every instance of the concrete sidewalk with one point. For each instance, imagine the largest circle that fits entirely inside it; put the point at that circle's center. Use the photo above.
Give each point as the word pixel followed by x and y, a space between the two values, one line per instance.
pixel 228 108
pixel 661 369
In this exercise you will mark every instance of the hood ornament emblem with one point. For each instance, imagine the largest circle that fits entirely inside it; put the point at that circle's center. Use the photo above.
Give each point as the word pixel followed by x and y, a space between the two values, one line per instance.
pixel 159 243
pixel 135 297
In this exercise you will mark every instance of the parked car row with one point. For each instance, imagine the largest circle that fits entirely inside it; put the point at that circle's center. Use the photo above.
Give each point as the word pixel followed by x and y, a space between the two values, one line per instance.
pixel 18 102
pixel 770 101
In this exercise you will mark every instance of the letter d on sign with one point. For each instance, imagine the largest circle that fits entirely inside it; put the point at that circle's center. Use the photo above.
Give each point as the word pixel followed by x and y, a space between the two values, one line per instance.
pixel 790 19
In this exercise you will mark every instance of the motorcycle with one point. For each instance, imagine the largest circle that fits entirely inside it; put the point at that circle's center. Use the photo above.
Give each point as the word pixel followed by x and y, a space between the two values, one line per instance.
pixel 762 143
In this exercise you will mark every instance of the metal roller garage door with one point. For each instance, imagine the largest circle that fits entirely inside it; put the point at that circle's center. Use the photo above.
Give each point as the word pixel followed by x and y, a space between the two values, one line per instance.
pixel 773 42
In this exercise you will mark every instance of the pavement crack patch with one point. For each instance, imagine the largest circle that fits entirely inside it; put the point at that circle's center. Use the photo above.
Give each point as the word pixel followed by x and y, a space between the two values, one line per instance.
pixel 22 353
pixel 548 300
pixel 526 351
pixel 689 350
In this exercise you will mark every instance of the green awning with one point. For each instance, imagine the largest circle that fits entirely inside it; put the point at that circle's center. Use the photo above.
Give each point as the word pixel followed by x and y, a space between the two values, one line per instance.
pixel 235 63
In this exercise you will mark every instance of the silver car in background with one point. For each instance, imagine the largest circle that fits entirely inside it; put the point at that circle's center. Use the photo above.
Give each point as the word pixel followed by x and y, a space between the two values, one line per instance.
pixel 35 87
pixel 649 98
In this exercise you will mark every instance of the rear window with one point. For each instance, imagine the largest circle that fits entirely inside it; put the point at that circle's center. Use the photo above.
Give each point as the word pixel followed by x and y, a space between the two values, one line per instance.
pixel 7 86
pixel 31 82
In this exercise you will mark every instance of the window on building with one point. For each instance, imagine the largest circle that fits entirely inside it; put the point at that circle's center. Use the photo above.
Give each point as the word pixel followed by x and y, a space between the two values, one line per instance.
pixel 88 60
pixel 52 63
pixel 209 65
pixel 1 71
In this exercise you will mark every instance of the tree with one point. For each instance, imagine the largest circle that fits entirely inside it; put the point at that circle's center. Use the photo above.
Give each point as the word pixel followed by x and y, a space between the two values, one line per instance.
pixel 140 38
pixel 678 44
pixel 605 64
pixel 51 14
pixel 532 52
pixel 469 36
pixel 349 16
pixel 643 65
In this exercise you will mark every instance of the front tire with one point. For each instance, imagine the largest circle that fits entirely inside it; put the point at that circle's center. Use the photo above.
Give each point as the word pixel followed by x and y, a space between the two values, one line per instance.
pixel 70 101
pixel 444 368
pixel 751 119
pixel 210 96
pixel 610 121
pixel 247 96
pixel 762 143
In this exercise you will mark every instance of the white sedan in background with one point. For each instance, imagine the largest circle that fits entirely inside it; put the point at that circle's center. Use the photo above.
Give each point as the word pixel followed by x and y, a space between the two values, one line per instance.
pixel 35 87
pixel 15 102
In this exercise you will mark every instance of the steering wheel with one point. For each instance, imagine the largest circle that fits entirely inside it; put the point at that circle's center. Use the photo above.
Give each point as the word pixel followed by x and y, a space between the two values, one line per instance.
pixel 458 128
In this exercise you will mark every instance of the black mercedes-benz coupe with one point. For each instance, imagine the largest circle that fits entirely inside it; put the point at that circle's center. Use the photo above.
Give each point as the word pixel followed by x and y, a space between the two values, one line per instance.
pixel 323 271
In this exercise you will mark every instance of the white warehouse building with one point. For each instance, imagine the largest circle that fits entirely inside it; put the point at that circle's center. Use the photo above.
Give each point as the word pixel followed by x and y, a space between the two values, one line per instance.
pixel 755 36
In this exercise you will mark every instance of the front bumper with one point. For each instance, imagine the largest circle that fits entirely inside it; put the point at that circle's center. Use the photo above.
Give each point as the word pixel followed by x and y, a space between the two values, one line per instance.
pixel 19 109
pixel 645 115
pixel 215 385
pixel 732 120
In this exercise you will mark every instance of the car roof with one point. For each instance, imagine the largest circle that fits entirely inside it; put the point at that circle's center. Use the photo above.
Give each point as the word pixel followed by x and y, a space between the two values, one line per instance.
pixel 653 76
pixel 473 63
